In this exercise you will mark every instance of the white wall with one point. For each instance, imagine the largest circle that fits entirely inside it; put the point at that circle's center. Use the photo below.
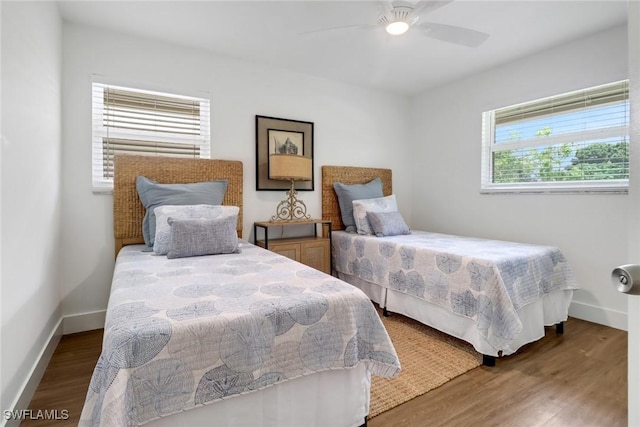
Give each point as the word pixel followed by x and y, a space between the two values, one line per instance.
pixel 590 229
pixel 353 126
pixel 31 193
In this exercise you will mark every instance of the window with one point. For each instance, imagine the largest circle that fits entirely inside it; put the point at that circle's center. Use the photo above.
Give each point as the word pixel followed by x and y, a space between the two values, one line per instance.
pixel 575 142
pixel 132 121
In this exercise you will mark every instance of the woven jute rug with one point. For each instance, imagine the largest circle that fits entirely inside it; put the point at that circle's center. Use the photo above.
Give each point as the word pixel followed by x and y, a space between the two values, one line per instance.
pixel 428 359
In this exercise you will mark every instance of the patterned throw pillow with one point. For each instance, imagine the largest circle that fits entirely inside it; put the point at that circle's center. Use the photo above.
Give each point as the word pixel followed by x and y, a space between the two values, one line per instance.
pixel 347 193
pixel 379 204
pixel 196 237
pixel 163 213
pixel 387 223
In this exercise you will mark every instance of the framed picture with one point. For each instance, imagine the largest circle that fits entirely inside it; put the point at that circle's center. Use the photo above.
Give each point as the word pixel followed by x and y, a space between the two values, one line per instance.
pixel 281 136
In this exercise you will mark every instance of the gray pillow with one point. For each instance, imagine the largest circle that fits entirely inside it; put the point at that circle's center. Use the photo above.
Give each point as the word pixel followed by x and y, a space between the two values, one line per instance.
pixel 195 237
pixel 153 195
pixel 347 193
pixel 163 213
pixel 387 223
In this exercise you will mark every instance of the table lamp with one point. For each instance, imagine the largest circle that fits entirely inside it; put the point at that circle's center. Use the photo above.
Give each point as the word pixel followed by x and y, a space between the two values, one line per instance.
pixel 290 167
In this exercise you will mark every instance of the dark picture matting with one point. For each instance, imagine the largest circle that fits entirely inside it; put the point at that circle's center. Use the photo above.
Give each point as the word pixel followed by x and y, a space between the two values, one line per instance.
pixel 281 136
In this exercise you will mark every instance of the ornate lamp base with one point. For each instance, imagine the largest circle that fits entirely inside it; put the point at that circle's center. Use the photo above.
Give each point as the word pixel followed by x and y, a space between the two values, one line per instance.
pixel 291 209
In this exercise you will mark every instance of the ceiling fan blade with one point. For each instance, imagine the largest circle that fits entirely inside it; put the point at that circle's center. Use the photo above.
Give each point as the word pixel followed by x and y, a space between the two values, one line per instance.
pixel 426 6
pixel 384 7
pixel 453 34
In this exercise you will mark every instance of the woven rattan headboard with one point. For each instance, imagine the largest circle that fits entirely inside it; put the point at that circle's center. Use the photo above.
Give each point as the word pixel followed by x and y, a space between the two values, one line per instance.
pixel 127 209
pixel 347 175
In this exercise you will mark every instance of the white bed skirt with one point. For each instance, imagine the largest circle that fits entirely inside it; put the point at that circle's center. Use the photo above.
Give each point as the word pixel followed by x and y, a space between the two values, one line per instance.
pixel 310 401
pixel 549 310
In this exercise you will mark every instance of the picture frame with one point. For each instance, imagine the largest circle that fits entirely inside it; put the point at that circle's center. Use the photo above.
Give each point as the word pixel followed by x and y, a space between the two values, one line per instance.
pixel 277 135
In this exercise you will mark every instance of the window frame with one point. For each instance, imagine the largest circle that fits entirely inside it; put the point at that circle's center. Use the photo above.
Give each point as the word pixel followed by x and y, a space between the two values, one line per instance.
pixel 142 142
pixel 489 147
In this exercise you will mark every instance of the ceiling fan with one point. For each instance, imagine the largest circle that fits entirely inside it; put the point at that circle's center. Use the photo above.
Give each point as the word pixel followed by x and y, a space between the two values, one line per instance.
pixel 398 17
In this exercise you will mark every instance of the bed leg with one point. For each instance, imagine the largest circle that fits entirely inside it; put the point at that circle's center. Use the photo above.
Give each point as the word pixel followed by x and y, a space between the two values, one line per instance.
pixel 488 360
pixel 385 313
pixel 560 328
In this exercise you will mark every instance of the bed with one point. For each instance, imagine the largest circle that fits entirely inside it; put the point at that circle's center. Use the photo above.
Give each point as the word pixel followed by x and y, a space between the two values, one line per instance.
pixel 496 295
pixel 242 338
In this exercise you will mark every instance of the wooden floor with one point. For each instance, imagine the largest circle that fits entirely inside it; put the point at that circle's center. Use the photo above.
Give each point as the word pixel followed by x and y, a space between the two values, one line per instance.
pixel 65 382
pixel 575 379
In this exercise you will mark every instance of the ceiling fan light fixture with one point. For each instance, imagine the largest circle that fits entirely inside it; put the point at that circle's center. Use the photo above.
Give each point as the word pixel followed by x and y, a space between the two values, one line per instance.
pixel 397 28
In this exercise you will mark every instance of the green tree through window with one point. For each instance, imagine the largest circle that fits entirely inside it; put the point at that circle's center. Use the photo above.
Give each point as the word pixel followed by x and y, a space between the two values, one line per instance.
pixel 565 162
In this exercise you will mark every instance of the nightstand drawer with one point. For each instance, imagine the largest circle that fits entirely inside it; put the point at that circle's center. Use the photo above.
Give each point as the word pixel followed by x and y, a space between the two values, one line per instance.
pixel 316 254
pixel 290 250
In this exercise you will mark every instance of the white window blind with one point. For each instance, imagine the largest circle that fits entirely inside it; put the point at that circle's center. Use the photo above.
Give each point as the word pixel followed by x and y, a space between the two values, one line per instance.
pixel 133 121
pixel 574 142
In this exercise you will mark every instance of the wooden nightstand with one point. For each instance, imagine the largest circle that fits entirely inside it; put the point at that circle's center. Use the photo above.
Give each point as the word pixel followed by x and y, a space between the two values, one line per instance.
pixel 313 250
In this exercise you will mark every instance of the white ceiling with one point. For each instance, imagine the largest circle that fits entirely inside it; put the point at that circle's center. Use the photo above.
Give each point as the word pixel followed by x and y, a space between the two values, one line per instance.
pixel 282 34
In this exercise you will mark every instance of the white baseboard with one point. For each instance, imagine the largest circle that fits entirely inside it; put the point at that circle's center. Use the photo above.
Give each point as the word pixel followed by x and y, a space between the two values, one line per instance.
pixel 30 385
pixel 591 313
pixel 83 322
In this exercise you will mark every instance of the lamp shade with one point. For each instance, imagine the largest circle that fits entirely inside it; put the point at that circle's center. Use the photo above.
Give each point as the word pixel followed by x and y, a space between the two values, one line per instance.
pixel 285 167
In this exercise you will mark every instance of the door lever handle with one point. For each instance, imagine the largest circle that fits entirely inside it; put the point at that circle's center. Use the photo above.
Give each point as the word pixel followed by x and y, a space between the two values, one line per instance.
pixel 626 279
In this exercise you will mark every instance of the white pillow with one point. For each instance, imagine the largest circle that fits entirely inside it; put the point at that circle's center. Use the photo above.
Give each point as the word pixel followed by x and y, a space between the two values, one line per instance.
pixel 362 206
pixel 162 240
